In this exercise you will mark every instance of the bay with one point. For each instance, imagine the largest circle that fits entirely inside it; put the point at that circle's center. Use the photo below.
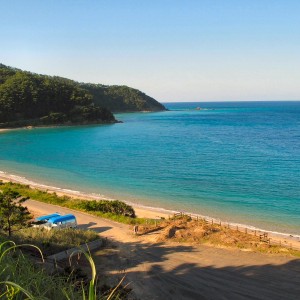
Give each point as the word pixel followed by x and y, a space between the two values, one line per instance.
pixel 238 161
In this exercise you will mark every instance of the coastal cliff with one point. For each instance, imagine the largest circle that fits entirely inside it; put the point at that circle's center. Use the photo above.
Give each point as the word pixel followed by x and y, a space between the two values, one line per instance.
pixel 28 99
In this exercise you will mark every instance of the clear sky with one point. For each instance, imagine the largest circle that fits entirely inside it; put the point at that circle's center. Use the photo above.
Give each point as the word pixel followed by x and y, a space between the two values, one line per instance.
pixel 203 50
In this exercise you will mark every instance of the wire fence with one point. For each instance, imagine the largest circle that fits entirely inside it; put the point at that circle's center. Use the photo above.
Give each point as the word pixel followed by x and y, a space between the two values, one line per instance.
pixel 264 236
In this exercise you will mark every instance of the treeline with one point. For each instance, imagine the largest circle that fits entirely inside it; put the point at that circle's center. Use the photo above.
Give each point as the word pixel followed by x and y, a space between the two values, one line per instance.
pixel 122 98
pixel 32 99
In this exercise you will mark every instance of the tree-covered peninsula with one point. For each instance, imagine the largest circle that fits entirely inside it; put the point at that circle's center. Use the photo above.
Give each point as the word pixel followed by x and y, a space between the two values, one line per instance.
pixel 32 99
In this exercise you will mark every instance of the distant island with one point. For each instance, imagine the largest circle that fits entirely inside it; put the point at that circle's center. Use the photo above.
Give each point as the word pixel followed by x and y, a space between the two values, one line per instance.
pixel 29 99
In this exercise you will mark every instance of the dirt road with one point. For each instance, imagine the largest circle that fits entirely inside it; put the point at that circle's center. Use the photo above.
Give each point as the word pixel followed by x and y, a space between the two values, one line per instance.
pixel 179 271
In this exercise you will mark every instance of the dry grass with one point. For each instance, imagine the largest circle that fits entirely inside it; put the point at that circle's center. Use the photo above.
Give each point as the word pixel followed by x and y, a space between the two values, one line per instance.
pixel 53 241
pixel 200 232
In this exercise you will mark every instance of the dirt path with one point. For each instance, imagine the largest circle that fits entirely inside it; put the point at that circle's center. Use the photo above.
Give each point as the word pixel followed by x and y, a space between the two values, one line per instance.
pixel 179 271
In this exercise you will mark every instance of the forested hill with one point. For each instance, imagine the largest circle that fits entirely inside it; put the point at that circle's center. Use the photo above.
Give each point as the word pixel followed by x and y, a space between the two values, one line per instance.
pixel 32 99
pixel 120 98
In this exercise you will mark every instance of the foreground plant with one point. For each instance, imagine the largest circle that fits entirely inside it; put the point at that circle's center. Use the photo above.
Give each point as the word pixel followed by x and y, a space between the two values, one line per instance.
pixel 20 278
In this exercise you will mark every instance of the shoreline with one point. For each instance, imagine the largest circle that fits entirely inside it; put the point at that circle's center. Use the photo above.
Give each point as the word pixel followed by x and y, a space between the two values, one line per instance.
pixel 143 211
pixel 30 127
pixel 6 129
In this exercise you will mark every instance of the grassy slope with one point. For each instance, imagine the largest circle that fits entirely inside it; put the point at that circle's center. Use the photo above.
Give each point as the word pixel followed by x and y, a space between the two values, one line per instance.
pixel 77 204
pixel 54 241
pixel 18 268
pixel 200 232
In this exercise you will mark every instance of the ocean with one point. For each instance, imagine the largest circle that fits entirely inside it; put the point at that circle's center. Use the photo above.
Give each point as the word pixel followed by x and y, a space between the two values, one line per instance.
pixel 237 161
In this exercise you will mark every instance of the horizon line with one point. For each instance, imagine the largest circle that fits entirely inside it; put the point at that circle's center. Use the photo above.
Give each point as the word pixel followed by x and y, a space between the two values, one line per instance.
pixel 204 101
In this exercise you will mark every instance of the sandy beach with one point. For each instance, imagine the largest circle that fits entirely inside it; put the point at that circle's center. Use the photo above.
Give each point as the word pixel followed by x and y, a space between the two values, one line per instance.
pixel 141 211
pixel 292 241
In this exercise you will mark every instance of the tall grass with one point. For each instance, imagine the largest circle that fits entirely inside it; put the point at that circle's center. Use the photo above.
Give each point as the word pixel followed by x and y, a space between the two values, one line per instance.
pixel 20 278
pixel 53 241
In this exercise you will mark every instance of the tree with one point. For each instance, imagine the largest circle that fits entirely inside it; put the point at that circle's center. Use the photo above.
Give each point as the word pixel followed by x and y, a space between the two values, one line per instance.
pixel 13 215
pixel 30 99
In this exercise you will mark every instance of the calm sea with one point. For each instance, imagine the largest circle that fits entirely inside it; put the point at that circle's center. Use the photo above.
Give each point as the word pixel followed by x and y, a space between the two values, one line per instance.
pixel 237 161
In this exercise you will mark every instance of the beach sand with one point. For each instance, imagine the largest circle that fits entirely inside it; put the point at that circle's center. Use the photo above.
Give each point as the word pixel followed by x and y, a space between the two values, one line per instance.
pixel 141 211
pixel 167 270
pixel 292 241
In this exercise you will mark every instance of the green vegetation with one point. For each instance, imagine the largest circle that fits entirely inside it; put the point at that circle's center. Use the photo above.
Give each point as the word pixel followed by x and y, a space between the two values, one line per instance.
pixel 32 99
pixel 122 98
pixel 114 207
pixel 54 241
pixel 114 210
pixel 22 278
pixel 13 215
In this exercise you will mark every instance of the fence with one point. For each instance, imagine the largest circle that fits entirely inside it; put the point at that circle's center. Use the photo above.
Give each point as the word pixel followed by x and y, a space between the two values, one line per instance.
pixel 263 235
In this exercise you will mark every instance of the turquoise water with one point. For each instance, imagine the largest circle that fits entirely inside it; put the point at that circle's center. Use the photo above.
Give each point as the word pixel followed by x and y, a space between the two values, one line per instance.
pixel 236 161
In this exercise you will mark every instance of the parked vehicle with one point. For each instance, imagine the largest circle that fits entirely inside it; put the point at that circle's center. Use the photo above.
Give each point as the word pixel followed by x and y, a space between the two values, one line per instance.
pixel 59 222
pixel 44 219
pixel 47 217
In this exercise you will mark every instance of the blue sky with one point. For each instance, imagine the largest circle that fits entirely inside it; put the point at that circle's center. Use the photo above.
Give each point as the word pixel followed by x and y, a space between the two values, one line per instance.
pixel 213 50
